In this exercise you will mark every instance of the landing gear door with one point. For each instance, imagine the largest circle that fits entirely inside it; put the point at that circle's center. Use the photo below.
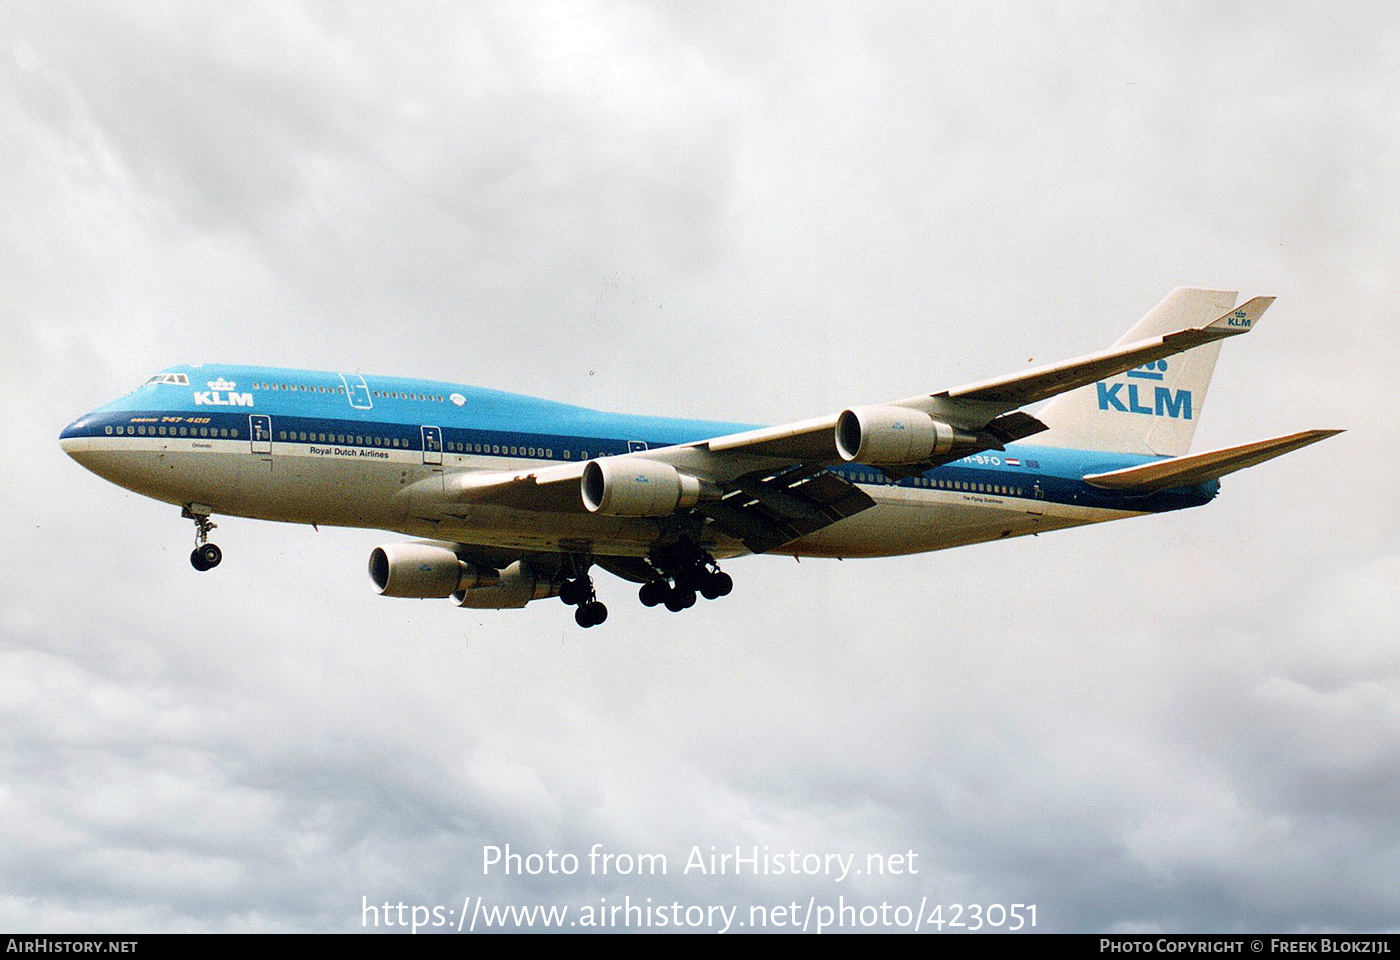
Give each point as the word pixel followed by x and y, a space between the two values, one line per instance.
pixel 260 432
pixel 432 445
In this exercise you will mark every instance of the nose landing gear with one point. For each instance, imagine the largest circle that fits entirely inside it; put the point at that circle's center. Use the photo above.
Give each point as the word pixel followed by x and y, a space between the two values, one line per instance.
pixel 206 555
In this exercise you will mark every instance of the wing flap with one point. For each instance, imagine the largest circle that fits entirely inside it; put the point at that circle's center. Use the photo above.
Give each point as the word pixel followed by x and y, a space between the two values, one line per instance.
pixel 768 510
pixel 1200 467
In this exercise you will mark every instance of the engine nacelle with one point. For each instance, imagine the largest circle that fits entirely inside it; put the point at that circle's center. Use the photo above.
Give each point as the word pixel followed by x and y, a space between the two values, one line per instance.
pixel 423 570
pixel 895 435
pixel 636 487
pixel 515 586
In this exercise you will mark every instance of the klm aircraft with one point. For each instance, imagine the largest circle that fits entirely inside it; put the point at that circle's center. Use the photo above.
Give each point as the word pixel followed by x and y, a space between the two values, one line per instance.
pixel 516 499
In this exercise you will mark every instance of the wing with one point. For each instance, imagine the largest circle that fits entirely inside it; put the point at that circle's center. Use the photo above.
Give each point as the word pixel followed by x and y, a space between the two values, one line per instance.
pixel 979 406
pixel 769 486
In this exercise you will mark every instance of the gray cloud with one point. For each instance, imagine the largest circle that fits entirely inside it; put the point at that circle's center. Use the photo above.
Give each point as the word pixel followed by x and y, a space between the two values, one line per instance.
pixel 1180 723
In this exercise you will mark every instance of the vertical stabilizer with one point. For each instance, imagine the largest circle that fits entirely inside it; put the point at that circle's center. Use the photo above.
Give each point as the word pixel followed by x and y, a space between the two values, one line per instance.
pixel 1154 408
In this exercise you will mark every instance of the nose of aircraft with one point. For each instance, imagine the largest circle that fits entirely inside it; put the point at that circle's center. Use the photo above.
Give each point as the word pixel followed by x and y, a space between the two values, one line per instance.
pixel 73 439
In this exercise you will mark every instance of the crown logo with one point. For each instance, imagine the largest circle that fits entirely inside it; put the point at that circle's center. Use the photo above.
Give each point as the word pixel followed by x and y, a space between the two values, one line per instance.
pixel 1150 371
pixel 221 384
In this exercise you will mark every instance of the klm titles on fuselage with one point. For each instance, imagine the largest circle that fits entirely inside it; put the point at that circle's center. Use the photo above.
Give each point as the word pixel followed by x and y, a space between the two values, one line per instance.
pixel 221 394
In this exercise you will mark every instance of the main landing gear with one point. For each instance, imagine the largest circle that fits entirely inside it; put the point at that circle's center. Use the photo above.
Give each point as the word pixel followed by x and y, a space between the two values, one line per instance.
pixel 206 555
pixel 685 571
pixel 578 592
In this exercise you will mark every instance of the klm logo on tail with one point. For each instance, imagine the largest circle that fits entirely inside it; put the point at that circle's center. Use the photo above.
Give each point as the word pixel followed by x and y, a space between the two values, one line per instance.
pixel 1166 402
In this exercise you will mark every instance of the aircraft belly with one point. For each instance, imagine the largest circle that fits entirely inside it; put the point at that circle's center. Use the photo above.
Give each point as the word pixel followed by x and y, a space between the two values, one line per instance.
pixel 490 525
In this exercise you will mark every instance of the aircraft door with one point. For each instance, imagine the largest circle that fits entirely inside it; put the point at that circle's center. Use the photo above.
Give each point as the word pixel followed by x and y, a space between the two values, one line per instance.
pixel 635 446
pixel 260 433
pixel 432 445
pixel 1036 507
pixel 357 391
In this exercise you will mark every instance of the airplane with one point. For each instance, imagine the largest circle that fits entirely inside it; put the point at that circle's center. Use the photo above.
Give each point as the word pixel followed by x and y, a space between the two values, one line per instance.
pixel 516 499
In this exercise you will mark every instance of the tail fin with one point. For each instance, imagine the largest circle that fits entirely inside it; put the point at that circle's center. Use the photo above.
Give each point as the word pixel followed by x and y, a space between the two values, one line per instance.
pixel 1152 409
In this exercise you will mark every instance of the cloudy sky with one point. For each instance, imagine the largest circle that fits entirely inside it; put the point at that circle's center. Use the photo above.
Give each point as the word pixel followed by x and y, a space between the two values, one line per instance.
pixel 744 212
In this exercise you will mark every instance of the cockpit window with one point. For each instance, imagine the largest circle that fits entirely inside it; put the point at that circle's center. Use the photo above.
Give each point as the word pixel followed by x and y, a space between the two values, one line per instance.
pixel 179 379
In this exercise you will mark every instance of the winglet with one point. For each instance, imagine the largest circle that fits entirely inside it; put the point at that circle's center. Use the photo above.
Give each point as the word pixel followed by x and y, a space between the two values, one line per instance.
pixel 1241 319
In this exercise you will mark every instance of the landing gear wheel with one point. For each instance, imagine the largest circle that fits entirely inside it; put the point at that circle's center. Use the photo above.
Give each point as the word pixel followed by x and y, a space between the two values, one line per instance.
pixel 683 570
pixel 716 585
pixel 590 614
pixel 689 577
pixel 576 591
pixel 206 556
pixel 679 599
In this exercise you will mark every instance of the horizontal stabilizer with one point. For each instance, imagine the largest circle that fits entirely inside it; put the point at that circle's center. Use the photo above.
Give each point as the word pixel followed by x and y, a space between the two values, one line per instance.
pixel 1200 467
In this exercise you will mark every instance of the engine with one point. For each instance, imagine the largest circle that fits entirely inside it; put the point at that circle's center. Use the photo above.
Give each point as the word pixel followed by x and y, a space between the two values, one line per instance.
pixel 895 435
pixel 636 487
pixel 515 586
pixel 424 569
